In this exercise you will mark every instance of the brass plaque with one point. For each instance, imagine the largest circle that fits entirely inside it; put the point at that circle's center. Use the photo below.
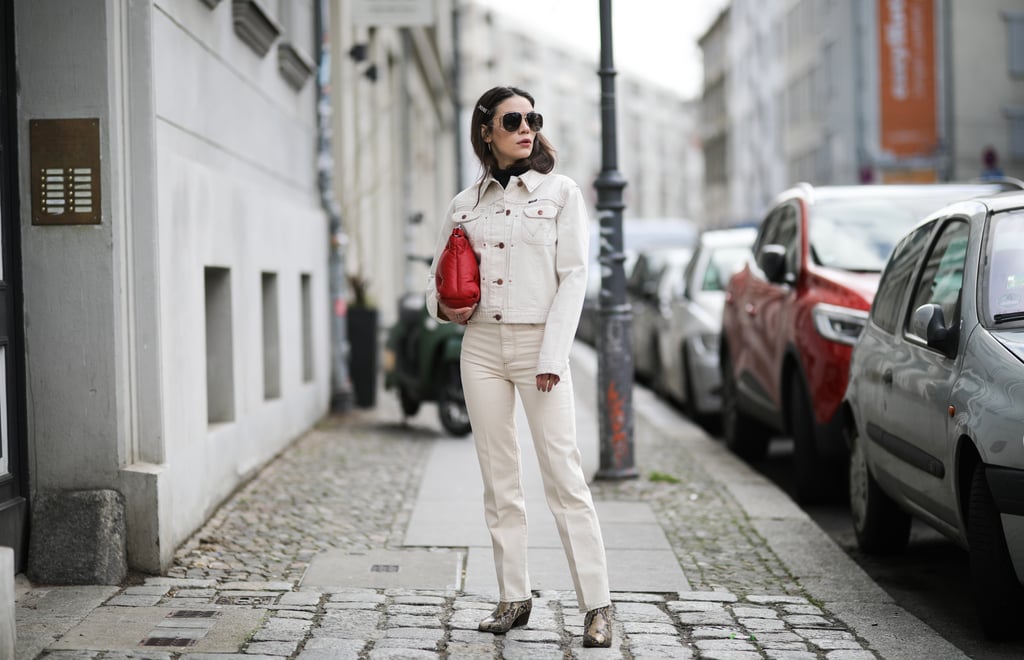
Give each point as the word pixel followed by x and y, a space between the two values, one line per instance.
pixel 65 162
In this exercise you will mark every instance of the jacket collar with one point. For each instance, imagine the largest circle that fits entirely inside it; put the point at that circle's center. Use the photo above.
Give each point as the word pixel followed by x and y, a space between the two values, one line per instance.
pixel 530 178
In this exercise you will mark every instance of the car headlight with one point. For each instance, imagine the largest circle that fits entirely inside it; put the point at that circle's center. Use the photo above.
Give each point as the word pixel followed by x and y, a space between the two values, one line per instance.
pixel 839 324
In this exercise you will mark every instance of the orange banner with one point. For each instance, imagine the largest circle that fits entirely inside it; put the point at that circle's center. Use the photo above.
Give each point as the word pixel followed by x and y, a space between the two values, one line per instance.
pixel 909 108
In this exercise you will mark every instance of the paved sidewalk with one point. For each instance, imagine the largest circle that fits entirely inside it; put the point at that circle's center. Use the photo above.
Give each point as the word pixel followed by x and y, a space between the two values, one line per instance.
pixel 365 539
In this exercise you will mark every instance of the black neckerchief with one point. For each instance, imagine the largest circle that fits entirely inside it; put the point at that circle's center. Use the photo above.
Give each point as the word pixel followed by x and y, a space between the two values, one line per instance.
pixel 503 176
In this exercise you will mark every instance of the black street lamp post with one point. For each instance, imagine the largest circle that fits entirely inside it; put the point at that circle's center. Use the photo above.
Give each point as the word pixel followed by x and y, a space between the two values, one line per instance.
pixel 614 343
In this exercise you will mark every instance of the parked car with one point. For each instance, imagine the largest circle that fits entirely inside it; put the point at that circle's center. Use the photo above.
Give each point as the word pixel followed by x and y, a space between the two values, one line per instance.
pixel 637 235
pixel 934 411
pixel 795 309
pixel 690 322
pixel 647 297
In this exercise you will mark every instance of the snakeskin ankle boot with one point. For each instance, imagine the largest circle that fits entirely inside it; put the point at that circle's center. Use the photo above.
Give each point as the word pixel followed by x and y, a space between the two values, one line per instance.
pixel 597 627
pixel 507 616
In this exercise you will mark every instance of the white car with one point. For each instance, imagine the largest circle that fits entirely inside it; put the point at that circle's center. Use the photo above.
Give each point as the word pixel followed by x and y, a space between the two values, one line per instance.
pixel 690 322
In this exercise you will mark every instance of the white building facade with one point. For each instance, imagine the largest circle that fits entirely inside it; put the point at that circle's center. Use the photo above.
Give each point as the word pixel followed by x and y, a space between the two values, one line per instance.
pixel 986 93
pixel 394 145
pixel 172 331
pixel 857 92
pixel 658 145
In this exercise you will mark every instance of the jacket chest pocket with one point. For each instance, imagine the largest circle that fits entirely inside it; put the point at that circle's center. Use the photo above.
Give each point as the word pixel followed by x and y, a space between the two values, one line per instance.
pixel 471 224
pixel 539 224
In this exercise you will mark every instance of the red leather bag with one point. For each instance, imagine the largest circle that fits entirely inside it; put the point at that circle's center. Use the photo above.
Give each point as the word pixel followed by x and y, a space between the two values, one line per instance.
pixel 458 274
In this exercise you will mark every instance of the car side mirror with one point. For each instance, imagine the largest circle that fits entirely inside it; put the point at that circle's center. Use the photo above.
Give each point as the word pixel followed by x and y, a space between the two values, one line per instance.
pixel 929 323
pixel 772 261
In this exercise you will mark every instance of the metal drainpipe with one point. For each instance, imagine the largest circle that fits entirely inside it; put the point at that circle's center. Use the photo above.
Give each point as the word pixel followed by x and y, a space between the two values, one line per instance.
pixel 457 91
pixel 341 383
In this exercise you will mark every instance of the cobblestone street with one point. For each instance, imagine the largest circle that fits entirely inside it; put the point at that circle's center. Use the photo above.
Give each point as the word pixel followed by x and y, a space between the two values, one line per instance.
pixel 350 486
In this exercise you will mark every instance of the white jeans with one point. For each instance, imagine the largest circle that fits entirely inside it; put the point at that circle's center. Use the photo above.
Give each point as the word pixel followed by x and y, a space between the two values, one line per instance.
pixel 497 360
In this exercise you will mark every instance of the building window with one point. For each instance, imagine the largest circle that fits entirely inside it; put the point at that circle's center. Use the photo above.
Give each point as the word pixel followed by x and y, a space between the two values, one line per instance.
pixel 1015 39
pixel 307 327
pixel 1015 117
pixel 220 379
pixel 271 338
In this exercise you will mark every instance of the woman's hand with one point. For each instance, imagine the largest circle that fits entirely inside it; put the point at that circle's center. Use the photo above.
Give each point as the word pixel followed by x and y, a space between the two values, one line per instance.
pixel 460 315
pixel 547 382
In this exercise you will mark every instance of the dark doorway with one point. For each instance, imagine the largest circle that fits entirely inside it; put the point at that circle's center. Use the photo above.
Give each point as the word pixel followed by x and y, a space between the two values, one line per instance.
pixel 13 472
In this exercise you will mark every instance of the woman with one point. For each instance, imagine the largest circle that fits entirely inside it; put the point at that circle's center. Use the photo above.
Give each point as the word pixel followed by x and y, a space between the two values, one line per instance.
pixel 529 230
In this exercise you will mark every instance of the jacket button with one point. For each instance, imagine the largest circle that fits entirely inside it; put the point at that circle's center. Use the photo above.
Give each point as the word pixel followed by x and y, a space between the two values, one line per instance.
pixel 501 245
pixel 540 211
pixel 520 184
pixel 497 317
pixel 508 211
pixel 500 281
pixel 463 216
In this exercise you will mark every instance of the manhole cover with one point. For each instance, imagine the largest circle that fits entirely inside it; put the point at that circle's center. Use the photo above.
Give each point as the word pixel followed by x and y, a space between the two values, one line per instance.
pixel 168 641
pixel 193 614
pixel 245 600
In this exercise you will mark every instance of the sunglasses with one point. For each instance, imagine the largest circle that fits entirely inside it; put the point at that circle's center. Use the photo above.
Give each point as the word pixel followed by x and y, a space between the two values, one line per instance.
pixel 511 121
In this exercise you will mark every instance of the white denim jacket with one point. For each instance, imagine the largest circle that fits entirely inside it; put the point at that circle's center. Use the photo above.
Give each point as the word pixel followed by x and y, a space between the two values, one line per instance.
pixel 531 239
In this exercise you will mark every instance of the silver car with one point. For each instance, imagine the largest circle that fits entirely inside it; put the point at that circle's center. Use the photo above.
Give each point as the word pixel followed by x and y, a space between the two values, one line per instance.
pixel 934 409
pixel 637 235
pixel 690 322
pixel 646 298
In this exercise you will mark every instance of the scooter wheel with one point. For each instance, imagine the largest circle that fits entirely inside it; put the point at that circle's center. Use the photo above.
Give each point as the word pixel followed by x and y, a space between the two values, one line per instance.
pixel 451 403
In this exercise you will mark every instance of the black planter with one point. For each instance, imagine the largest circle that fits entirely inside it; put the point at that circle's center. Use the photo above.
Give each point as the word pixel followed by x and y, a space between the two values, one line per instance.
pixel 362 340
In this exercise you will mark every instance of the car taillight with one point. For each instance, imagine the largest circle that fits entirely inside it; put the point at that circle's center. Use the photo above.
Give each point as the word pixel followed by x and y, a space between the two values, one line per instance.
pixel 839 324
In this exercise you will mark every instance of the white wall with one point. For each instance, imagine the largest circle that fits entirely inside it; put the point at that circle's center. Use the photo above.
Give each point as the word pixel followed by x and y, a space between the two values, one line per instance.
pixel 68 271
pixel 207 159
pixel 236 164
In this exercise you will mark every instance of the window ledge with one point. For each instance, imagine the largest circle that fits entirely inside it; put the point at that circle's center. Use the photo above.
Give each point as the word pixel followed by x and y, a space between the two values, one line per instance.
pixel 253 26
pixel 294 65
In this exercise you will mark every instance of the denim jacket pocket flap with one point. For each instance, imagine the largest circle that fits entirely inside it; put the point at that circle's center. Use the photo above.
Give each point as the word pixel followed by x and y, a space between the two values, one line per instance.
pixel 539 223
pixel 465 217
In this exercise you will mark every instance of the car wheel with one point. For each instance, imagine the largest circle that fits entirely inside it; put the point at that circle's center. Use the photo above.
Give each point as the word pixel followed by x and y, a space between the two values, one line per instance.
pixel 997 592
pixel 881 526
pixel 815 480
pixel 410 404
pixel 451 403
pixel 745 436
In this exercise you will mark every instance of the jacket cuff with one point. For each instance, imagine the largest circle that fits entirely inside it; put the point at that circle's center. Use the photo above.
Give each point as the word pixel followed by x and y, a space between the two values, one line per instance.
pixel 557 368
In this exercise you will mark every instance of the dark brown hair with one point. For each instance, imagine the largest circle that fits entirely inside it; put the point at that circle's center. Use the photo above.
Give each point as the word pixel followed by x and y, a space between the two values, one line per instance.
pixel 541 159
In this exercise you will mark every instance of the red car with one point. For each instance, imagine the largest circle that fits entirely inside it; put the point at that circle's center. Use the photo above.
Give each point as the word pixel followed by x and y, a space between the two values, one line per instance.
pixel 794 311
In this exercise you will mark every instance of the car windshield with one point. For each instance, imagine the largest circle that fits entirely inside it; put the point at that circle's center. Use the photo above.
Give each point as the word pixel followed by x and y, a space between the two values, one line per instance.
pixel 722 263
pixel 858 234
pixel 1005 294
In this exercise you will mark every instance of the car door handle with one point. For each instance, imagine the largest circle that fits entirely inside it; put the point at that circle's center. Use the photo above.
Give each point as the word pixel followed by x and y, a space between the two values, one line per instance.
pixel 887 377
pixel 750 309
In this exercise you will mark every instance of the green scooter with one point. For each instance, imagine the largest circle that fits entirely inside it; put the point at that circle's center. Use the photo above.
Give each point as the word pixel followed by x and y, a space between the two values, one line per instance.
pixel 421 361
